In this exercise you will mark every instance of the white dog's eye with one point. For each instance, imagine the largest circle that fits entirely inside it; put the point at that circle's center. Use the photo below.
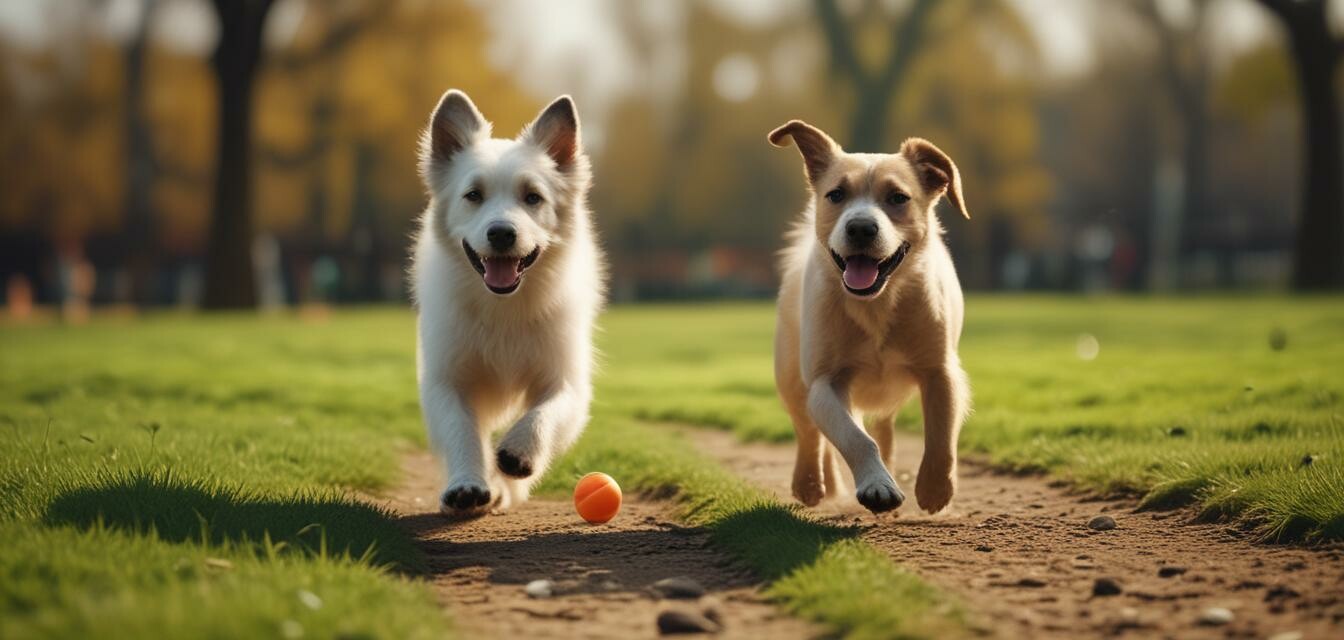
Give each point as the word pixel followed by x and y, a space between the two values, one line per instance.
pixel 532 199
pixel 474 196
pixel 835 195
pixel 897 198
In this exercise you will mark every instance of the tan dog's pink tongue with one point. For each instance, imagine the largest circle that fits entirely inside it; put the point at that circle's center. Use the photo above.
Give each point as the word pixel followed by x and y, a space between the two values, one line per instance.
pixel 501 273
pixel 860 272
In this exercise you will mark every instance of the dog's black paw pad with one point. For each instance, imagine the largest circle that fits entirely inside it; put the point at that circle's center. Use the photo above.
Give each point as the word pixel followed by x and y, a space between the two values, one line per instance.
pixel 512 464
pixel 466 498
pixel 880 498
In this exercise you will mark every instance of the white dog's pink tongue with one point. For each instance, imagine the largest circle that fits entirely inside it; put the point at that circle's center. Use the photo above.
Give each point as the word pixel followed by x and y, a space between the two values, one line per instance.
pixel 501 273
pixel 860 272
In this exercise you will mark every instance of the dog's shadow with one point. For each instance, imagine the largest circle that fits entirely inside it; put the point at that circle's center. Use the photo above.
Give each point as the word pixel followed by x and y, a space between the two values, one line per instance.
pixel 583 561
pixel 166 507
pixel 770 538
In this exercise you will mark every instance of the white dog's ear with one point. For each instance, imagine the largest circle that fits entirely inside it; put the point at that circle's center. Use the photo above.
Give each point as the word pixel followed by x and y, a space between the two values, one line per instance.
pixel 455 125
pixel 818 149
pixel 937 172
pixel 556 131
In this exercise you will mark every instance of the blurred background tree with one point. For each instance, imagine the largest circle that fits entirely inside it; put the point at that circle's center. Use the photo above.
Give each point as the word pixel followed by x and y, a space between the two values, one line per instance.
pixel 1144 144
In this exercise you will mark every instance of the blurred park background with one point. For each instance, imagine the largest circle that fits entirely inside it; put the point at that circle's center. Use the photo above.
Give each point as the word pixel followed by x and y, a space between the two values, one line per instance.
pixel 247 153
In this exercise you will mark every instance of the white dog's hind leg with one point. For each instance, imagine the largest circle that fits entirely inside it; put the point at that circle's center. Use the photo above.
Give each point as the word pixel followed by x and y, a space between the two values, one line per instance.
pixel 456 439
pixel 875 488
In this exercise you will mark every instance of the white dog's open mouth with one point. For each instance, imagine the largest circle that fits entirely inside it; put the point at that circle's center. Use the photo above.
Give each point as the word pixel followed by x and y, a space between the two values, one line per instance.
pixel 864 275
pixel 502 274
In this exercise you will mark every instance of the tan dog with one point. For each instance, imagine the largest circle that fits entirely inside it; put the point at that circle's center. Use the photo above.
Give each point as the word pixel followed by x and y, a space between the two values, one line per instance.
pixel 869 310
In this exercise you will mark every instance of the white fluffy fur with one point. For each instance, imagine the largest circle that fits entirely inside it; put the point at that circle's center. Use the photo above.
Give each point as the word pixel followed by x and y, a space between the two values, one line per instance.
pixel 487 361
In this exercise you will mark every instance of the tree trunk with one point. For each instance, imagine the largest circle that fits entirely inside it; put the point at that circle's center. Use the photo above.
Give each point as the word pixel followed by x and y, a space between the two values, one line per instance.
pixel 1319 260
pixel 869 124
pixel 137 236
pixel 229 279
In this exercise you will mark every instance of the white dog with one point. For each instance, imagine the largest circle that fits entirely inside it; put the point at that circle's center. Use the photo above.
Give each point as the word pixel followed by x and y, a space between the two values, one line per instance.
pixel 508 279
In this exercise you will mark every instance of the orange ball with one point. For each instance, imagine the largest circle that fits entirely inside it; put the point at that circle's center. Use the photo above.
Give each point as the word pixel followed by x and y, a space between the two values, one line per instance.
pixel 597 497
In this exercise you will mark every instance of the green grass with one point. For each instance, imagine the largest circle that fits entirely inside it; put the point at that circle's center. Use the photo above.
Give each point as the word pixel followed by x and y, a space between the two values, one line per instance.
pixel 815 570
pixel 1187 402
pixel 190 478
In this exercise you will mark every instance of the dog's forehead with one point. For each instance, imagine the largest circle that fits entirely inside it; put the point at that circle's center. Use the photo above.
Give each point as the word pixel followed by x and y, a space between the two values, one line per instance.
pixel 865 171
pixel 503 162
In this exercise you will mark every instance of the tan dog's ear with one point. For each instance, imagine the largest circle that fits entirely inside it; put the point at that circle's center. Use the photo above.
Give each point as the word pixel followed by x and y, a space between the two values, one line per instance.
pixel 456 123
pixel 818 149
pixel 556 131
pixel 936 171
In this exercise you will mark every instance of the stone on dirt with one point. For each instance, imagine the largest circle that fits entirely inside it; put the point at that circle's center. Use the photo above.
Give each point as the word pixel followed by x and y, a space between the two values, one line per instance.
pixel 678 588
pixel 677 621
pixel 540 588
pixel 1215 616
pixel 1101 523
pixel 1170 571
pixel 1106 587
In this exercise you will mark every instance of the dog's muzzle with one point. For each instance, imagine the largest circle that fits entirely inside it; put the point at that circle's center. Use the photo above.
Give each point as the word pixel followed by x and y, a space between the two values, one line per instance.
pixel 863 275
pixel 502 274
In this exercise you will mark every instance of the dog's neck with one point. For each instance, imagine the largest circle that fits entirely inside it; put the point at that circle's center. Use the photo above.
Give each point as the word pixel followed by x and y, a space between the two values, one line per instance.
pixel 880 315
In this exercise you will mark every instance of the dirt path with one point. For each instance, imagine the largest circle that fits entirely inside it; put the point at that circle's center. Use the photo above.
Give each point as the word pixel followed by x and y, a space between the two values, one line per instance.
pixel 1019 553
pixel 602 573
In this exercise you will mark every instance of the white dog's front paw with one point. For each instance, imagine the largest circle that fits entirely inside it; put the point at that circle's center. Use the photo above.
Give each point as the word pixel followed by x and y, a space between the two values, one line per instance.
pixel 513 464
pixel 878 492
pixel 465 498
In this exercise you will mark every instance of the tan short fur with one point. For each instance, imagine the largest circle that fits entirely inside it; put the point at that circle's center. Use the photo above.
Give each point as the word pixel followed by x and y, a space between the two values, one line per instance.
pixel 839 357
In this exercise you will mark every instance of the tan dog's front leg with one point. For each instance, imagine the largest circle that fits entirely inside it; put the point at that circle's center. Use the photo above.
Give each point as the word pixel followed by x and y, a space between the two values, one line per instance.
pixel 875 489
pixel 945 395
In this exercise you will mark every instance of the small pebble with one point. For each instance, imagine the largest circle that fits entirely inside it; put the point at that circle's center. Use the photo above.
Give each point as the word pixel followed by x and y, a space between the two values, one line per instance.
pixel 1170 571
pixel 540 588
pixel 1033 583
pixel 680 587
pixel 1215 617
pixel 1106 587
pixel 1101 523
pixel 675 621
pixel 984 548
pixel 1128 618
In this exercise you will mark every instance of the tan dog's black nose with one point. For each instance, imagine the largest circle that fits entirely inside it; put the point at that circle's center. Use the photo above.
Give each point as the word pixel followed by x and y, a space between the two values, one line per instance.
pixel 503 236
pixel 861 233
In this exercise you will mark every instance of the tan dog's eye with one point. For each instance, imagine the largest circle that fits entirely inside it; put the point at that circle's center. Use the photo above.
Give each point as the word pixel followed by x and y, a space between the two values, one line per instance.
pixel 835 195
pixel 474 196
pixel 897 198
pixel 532 199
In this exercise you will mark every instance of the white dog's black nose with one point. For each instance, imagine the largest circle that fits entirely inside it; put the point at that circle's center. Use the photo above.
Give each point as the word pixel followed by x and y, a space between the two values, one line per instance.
pixel 503 236
pixel 861 233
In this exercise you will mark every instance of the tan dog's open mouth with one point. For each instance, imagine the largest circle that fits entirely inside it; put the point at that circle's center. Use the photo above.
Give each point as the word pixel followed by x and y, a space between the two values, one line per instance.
pixel 863 275
pixel 502 274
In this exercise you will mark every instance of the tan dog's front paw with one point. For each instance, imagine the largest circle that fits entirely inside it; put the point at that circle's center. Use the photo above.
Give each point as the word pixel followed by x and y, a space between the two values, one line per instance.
pixel 935 486
pixel 808 488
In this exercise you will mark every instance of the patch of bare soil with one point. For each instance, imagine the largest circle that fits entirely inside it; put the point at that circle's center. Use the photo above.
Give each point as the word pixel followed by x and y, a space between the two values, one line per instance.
pixel 602 575
pixel 1019 552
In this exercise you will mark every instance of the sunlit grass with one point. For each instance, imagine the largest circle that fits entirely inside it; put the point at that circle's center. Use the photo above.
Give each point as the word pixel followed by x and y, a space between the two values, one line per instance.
pixel 189 477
